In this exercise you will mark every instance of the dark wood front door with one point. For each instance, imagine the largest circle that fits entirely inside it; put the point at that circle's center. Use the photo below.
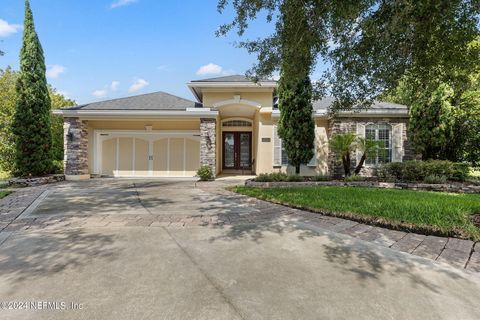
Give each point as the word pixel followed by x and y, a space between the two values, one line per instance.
pixel 237 150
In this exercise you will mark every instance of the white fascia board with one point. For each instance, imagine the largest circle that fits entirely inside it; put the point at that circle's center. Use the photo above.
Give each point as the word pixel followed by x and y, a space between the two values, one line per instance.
pixel 265 84
pixel 136 114
pixel 276 114
pixel 198 109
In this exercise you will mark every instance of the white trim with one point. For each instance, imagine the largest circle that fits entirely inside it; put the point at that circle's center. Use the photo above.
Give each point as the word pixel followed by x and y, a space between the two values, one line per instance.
pixel 365 114
pixel 134 155
pixel 117 151
pixel 168 156
pixel 184 156
pixel 134 114
pixel 237 100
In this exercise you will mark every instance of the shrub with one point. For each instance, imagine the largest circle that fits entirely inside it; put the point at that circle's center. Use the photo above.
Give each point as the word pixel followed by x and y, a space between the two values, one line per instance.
pixel 322 177
pixel 354 178
pixel 205 173
pixel 419 170
pixel 435 179
pixel 295 178
pixel 57 167
pixel 272 177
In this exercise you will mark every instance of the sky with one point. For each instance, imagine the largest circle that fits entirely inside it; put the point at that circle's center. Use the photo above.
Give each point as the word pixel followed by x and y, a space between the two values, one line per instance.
pixel 103 49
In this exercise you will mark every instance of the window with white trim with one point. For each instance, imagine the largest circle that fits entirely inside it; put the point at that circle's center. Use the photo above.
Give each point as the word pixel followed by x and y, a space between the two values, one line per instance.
pixel 280 157
pixel 381 133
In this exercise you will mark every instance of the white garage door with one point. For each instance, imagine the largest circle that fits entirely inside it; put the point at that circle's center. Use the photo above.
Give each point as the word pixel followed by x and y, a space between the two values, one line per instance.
pixel 155 154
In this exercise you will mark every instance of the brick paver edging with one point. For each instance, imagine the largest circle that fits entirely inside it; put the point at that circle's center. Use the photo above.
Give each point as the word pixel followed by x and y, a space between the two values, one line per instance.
pixel 369 184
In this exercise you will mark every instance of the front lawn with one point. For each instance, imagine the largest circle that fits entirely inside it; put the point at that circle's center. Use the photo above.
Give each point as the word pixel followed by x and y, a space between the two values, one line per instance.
pixel 3 194
pixel 446 213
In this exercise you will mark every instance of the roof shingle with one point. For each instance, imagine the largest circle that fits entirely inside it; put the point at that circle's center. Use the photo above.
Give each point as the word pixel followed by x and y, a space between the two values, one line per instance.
pixel 149 101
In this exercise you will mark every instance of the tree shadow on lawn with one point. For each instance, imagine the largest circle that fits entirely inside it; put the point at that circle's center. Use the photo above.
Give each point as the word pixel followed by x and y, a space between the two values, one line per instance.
pixel 35 255
pixel 367 261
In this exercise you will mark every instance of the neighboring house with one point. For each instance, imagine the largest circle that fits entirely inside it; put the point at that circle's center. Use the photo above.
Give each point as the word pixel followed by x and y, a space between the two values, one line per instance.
pixel 232 128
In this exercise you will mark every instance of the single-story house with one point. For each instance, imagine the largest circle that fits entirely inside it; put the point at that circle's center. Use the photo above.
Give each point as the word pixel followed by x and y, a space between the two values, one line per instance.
pixel 232 127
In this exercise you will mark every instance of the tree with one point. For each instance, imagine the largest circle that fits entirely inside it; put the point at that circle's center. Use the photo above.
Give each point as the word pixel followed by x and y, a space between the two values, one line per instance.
pixel 431 122
pixel 343 145
pixel 296 125
pixel 8 100
pixel 368 148
pixel 422 41
pixel 370 44
pixel 31 124
pixel 59 101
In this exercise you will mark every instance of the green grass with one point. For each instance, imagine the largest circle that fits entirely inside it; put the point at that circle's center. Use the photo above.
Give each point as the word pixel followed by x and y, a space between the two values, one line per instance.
pixel 3 194
pixel 440 212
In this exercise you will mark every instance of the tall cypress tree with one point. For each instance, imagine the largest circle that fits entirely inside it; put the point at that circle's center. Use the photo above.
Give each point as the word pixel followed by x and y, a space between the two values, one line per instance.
pixel 31 124
pixel 296 125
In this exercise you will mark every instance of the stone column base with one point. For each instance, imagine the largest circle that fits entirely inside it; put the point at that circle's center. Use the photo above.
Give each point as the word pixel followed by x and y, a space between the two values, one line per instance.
pixel 77 177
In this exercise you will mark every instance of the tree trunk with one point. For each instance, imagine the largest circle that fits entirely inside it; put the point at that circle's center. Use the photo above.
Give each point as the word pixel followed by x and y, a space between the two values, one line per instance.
pixel 297 169
pixel 346 165
pixel 360 164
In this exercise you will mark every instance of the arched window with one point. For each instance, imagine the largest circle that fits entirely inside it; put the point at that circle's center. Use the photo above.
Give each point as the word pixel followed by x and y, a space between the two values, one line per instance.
pixel 237 123
pixel 383 134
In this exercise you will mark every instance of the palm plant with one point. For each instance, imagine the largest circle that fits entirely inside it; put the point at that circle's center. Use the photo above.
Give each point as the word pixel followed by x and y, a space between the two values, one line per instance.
pixel 369 148
pixel 343 145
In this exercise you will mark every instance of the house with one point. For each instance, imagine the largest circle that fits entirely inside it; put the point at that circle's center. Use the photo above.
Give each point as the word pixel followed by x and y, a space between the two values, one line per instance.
pixel 232 127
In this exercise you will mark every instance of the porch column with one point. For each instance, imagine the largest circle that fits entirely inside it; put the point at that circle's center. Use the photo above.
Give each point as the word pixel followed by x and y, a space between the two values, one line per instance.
pixel 208 148
pixel 75 141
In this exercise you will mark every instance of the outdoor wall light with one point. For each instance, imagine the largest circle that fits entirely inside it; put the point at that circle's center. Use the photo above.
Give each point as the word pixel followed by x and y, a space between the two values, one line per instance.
pixel 70 136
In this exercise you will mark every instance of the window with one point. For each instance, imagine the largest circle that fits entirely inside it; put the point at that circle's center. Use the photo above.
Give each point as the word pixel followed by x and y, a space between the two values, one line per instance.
pixel 383 134
pixel 280 157
pixel 284 156
pixel 237 123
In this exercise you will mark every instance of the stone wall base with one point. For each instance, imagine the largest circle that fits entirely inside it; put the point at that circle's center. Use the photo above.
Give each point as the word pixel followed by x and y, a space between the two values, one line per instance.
pixel 32 182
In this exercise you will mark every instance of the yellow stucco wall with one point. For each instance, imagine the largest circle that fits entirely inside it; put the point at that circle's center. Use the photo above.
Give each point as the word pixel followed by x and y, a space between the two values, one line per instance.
pixel 262 134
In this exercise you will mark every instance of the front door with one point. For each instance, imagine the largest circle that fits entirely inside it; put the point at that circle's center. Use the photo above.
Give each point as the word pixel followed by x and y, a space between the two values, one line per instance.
pixel 237 150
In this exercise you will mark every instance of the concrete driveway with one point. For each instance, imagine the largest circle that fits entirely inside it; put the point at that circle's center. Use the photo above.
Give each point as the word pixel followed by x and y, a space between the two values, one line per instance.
pixel 87 266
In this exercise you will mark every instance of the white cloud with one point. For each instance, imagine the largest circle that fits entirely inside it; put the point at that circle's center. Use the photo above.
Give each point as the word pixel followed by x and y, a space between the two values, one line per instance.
pixel 53 71
pixel 100 93
pixel 121 3
pixel 210 68
pixel 163 67
pixel 114 85
pixel 7 29
pixel 138 85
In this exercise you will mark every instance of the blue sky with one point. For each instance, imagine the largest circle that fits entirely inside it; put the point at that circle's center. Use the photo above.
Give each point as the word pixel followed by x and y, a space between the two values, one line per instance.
pixel 102 49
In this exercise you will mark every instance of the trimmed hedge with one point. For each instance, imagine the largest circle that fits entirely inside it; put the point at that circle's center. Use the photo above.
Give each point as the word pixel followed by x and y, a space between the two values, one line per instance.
pixel 419 170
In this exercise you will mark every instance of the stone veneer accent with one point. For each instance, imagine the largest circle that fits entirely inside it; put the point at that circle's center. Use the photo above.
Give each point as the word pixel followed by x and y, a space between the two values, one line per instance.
pixel 76 148
pixel 208 143
pixel 344 125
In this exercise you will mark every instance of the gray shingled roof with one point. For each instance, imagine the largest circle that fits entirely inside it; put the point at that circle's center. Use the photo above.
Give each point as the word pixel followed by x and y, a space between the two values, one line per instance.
pixel 149 101
pixel 378 106
pixel 232 78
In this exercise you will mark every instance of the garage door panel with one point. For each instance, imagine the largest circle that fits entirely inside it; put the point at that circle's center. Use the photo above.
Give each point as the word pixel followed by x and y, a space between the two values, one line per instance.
pixel 192 157
pixel 160 157
pixel 109 156
pixel 141 157
pixel 176 156
pixel 125 157
pixel 128 155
